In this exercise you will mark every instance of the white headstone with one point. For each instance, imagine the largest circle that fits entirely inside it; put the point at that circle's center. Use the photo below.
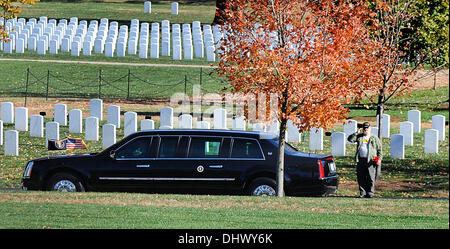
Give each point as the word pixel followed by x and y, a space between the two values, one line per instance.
pixel 7 112
pixel 41 47
pixel 174 9
pixel 350 127
pixel 91 129
pixel 65 45
pixel 406 129
pixel 220 118
pixel 37 126
pixel 438 123
pixel 188 52
pixel 32 43
pixel 143 51
pixel 21 119
pixel 75 121
pixel 385 132
pixel 154 50
pixel 75 48
pixel 239 123
pixel 185 121
pixel 210 53
pixel 113 115
pixel 292 134
pixel 51 131
pixel 177 53
pixel 147 7
pixel 338 142
pixel 60 114
pixel 109 49
pixel 121 47
pixel 431 143
pixel 53 47
pixel 108 135
pixel 147 124
pixel 96 108
pixel 20 46
pixel 316 139
pixel 99 45
pixel 397 146
pixel 11 143
pixel 414 116
pixel 166 115
pixel 130 123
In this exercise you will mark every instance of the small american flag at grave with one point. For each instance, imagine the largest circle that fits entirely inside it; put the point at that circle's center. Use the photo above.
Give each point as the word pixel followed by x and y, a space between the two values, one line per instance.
pixel 67 144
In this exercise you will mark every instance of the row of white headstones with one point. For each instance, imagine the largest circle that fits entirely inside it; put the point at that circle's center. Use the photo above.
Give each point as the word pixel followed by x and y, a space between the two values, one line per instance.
pixel 19 116
pixel 104 37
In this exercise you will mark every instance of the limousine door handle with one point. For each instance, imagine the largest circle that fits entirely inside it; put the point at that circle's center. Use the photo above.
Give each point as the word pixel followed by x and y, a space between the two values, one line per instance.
pixel 216 166
pixel 142 166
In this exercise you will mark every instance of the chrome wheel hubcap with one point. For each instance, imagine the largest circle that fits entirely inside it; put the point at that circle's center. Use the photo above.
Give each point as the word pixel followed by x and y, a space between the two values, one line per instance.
pixel 65 186
pixel 264 190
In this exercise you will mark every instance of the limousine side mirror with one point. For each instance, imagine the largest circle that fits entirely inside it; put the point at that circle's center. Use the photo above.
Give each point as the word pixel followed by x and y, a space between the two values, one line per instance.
pixel 112 154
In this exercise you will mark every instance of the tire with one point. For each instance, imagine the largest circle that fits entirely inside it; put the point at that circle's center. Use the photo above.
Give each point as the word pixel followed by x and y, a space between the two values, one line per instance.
pixel 65 182
pixel 262 186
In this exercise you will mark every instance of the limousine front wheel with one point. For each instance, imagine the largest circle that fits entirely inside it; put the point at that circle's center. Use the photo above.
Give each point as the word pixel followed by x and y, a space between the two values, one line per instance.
pixel 262 187
pixel 63 182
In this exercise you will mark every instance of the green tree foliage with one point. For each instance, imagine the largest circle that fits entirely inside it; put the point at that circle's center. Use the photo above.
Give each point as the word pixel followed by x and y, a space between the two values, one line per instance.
pixel 426 34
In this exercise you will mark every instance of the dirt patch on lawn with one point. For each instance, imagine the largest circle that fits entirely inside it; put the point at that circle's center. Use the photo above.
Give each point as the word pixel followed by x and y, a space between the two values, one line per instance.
pixel 427 79
pixel 383 185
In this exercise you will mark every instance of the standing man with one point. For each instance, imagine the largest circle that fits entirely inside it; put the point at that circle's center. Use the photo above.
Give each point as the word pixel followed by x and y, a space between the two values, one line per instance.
pixel 368 157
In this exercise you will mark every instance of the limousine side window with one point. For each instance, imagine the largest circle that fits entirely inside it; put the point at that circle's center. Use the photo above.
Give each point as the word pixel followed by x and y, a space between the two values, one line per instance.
pixel 136 148
pixel 246 148
pixel 202 147
pixel 168 147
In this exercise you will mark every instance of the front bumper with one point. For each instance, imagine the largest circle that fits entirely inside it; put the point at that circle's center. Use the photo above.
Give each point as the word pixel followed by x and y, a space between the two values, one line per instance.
pixel 28 184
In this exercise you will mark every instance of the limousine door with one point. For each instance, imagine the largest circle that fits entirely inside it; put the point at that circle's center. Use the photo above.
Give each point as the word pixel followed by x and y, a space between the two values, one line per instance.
pixel 198 164
pixel 130 167
pixel 207 158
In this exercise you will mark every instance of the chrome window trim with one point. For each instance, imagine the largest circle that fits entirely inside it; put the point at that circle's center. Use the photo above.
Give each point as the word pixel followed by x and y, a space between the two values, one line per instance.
pixel 164 179
pixel 193 158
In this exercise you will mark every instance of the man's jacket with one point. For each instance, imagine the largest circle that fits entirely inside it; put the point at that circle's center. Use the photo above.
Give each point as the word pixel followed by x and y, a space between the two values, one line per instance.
pixel 374 145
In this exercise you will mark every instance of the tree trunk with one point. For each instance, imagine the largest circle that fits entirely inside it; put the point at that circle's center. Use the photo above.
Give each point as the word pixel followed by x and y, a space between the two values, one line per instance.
pixel 380 112
pixel 281 142
pixel 220 7
pixel 280 171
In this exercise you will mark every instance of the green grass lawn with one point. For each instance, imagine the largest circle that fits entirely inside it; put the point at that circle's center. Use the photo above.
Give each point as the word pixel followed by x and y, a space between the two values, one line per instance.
pixel 120 10
pixel 82 80
pixel 38 210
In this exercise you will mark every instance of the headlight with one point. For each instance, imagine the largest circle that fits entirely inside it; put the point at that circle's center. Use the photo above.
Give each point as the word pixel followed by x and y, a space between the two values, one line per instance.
pixel 27 172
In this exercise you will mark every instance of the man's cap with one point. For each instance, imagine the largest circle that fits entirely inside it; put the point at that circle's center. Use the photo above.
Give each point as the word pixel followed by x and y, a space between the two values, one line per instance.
pixel 366 125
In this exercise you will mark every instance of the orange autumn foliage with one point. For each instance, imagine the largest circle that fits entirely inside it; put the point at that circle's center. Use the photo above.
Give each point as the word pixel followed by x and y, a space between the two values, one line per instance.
pixel 315 56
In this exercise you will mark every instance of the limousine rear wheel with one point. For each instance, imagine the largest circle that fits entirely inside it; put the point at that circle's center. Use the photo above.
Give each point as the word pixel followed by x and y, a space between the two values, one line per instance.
pixel 262 186
pixel 64 182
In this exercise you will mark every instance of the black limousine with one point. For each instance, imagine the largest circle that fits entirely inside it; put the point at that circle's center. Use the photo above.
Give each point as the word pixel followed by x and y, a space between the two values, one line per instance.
pixel 186 161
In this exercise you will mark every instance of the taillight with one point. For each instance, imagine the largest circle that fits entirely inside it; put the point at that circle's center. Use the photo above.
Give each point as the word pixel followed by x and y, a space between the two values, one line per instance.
pixel 321 171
